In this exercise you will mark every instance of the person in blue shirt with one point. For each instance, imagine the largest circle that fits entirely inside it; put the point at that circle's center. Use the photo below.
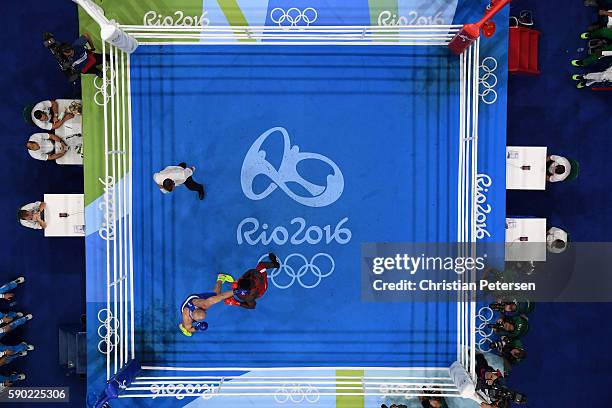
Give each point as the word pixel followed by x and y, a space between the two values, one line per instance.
pixel 82 59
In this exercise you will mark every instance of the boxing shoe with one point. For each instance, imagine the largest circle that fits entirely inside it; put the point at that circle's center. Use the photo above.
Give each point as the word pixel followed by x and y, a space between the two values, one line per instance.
pixel 274 260
pixel 224 277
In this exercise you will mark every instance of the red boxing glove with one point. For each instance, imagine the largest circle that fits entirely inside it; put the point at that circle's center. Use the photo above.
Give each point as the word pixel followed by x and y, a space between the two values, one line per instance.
pixel 232 302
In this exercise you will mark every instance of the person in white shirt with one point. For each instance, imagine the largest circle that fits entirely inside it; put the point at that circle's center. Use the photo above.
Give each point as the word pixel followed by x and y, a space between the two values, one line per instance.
pixel 31 215
pixel 46 146
pixel 172 176
pixel 558 168
pixel 46 115
pixel 556 240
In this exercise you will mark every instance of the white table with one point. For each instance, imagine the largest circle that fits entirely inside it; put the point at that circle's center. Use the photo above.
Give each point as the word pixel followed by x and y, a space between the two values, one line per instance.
pixel 60 225
pixel 525 168
pixel 526 239
pixel 74 153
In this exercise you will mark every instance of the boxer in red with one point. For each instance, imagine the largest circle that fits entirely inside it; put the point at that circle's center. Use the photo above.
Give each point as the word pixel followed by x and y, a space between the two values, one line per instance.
pixel 253 284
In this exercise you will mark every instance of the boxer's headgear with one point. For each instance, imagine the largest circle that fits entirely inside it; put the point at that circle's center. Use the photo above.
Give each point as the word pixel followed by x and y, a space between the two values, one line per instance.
pixel 244 287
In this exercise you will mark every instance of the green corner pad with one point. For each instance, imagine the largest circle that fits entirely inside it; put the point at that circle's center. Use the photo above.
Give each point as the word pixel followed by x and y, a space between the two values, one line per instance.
pixel 349 401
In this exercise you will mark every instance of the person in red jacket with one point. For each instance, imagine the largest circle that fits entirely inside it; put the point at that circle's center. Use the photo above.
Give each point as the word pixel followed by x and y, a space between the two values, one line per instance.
pixel 252 284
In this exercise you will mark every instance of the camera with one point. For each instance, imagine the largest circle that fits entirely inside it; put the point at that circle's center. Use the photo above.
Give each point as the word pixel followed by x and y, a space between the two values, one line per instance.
pixel 500 306
pixel 500 344
pixel 500 393
pixel 50 43
pixel 497 326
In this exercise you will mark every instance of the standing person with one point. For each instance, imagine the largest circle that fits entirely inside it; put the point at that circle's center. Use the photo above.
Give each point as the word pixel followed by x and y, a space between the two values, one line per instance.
pixel 83 60
pixel 172 176
pixel 252 284
pixel 603 33
pixel 10 353
pixel 4 289
pixel 194 309
pixel 31 215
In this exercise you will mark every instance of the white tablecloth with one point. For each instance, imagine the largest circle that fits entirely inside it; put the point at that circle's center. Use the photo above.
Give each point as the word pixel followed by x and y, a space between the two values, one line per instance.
pixel 65 215
pixel 525 168
pixel 526 239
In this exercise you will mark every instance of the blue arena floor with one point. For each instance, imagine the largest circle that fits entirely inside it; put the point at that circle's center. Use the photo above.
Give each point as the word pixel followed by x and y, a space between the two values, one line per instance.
pixel 377 131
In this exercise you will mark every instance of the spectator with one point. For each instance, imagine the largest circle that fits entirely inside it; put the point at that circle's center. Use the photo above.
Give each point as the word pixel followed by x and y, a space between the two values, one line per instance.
pixel 10 353
pixel 8 381
pixel 83 60
pixel 21 319
pixel 512 326
pixel 593 78
pixel 173 176
pixel 559 168
pixel 43 146
pixel 46 115
pixel 31 215
pixel 556 240
pixel 4 289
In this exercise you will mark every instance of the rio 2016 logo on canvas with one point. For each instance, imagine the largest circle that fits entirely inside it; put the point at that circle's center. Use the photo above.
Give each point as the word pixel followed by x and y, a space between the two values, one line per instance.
pixel 307 271
pixel 256 164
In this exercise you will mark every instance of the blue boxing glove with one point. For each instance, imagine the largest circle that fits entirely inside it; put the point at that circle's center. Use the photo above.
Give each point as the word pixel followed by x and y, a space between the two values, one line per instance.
pixel 200 326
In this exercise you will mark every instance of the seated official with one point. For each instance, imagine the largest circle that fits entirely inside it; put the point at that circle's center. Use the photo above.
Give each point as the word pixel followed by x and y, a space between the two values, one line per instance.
pixel 83 60
pixel 556 240
pixel 558 168
pixel 46 146
pixel 51 114
pixel 32 215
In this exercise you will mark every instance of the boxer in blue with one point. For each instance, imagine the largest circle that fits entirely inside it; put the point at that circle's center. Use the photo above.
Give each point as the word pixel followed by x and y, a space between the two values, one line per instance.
pixel 194 308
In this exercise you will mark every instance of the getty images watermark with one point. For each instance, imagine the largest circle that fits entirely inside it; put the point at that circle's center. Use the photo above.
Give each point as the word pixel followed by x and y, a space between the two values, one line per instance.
pixel 463 268
pixel 436 272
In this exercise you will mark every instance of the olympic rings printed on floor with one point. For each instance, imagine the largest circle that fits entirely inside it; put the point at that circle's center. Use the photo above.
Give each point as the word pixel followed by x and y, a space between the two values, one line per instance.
pixel 293 16
pixel 99 97
pixel 297 393
pixel 488 81
pixel 107 331
pixel 308 268
pixel 485 315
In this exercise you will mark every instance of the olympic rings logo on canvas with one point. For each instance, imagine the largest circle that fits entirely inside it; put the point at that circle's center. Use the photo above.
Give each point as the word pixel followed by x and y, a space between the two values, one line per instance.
pixel 488 81
pixel 293 17
pixel 485 316
pixel 107 331
pixel 104 88
pixel 308 274
pixel 297 393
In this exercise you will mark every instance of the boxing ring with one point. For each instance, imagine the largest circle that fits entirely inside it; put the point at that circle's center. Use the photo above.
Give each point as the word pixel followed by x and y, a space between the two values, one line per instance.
pixel 130 366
